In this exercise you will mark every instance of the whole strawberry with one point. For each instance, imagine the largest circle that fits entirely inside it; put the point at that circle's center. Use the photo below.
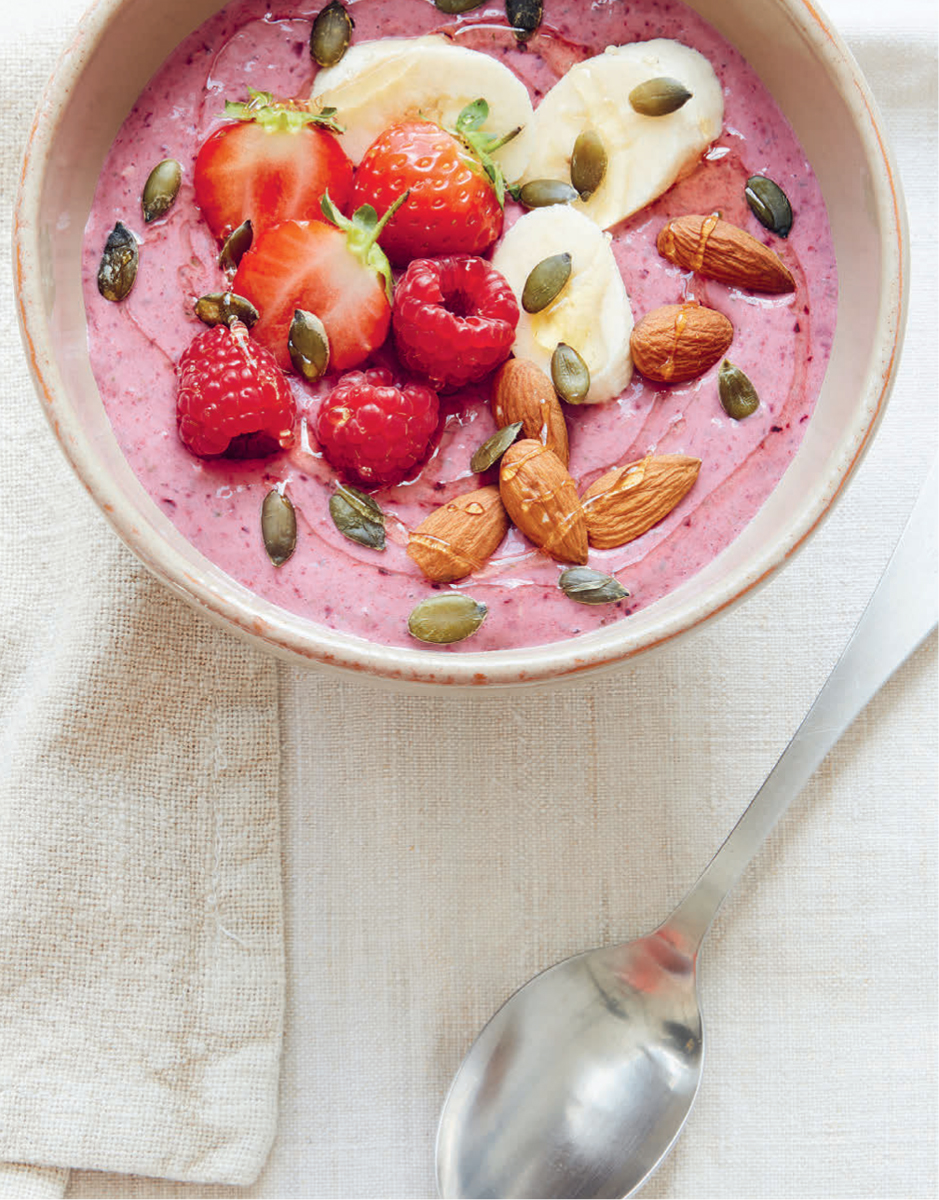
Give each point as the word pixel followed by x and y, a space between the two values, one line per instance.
pixel 456 190
pixel 272 163
pixel 231 397
pixel 375 431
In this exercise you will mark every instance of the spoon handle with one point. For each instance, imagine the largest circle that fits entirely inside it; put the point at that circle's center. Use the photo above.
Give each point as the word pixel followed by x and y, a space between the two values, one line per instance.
pixel 900 614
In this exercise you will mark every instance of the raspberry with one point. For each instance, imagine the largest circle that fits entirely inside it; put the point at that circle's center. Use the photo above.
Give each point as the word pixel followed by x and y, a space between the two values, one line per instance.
pixel 374 430
pixel 454 320
pixel 231 396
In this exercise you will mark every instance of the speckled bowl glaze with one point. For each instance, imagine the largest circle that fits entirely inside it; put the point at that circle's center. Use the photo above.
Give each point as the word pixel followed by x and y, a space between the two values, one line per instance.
pixel 804 64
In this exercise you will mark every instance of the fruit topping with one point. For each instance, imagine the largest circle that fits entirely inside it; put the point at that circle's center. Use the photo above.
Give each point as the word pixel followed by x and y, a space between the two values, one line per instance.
pixel 380 83
pixel 231 397
pixel 454 320
pixel 374 430
pixel 335 270
pixel 272 163
pixel 591 312
pixel 645 155
pixel 456 189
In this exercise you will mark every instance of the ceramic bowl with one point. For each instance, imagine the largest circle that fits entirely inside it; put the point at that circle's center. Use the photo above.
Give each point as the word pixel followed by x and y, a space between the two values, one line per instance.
pixel 819 88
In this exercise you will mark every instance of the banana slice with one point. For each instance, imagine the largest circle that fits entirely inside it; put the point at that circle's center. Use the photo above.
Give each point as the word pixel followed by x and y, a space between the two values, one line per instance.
pixel 645 155
pixel 378 83
pixel 591 313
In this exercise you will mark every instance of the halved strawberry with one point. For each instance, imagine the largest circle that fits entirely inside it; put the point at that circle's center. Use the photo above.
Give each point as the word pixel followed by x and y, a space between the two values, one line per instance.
pixel 457 189
pixel 335 271
pixel 274 163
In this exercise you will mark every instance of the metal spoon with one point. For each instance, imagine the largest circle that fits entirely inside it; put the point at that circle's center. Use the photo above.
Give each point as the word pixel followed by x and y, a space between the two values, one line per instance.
pixel 581 1082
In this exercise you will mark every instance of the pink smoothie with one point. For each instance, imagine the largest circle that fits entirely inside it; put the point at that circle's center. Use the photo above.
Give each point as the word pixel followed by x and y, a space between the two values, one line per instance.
pixel 781 342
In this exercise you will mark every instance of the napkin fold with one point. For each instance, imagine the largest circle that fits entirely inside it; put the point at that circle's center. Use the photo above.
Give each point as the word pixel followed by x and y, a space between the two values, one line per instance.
pixel 141 964
pixel 141 939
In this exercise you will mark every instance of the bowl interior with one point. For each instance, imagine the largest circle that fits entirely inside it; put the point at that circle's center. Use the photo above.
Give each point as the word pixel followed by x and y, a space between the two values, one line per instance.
pixel 819 89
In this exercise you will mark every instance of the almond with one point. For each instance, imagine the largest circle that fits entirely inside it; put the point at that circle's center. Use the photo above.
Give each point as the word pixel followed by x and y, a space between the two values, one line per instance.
pixel 679 341
pixel 457 538
pixel 522 392
pixel 541 498
pixel 721 251
pixel 627 501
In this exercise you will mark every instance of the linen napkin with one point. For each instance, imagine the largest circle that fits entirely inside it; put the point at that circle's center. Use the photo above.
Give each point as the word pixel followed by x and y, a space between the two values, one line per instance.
pixel 141 941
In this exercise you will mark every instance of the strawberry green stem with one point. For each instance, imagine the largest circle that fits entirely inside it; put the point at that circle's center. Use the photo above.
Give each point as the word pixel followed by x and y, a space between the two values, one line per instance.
pixel 362 232
pixel 482 145
pixel 279 116
pixel 505 139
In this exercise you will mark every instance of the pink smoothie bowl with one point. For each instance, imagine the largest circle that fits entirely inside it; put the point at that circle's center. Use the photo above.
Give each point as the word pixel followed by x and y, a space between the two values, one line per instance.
pixel 818 86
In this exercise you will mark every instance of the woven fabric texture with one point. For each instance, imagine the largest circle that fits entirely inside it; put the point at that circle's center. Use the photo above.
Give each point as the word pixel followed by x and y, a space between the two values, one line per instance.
pixel 141 939
pixel 437 851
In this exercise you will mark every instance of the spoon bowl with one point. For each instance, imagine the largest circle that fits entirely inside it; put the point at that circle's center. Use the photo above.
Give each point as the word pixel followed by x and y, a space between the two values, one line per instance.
pixel 581 1082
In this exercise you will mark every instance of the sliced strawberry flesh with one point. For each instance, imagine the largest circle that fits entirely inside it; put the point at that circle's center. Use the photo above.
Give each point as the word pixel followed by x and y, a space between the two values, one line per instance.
pixel 308 265
pixel 248 172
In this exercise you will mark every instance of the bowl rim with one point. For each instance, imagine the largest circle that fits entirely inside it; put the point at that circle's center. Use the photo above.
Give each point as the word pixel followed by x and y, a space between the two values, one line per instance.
pixel 289 636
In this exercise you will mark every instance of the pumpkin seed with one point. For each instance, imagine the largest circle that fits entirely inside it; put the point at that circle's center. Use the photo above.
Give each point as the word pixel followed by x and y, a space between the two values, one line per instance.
pixel 587 586
pixel 659 97
pixel 161 189
pixel 539 193
pixel 524 16
pixel 357 517
pixel 588 163
pixel 492 450
pixel 769 204
pixel 453 7
pixel 278 526
pixel 569 374
pixel 447 617
pixel 221 308
pixel 308 345
pixel 329 38
pixel 118 268
pixel 237 242
pixel 737 393
pixel 545 282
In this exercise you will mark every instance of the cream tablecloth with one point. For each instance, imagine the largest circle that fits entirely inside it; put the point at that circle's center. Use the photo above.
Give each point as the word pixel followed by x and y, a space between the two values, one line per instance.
pixel 437 851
